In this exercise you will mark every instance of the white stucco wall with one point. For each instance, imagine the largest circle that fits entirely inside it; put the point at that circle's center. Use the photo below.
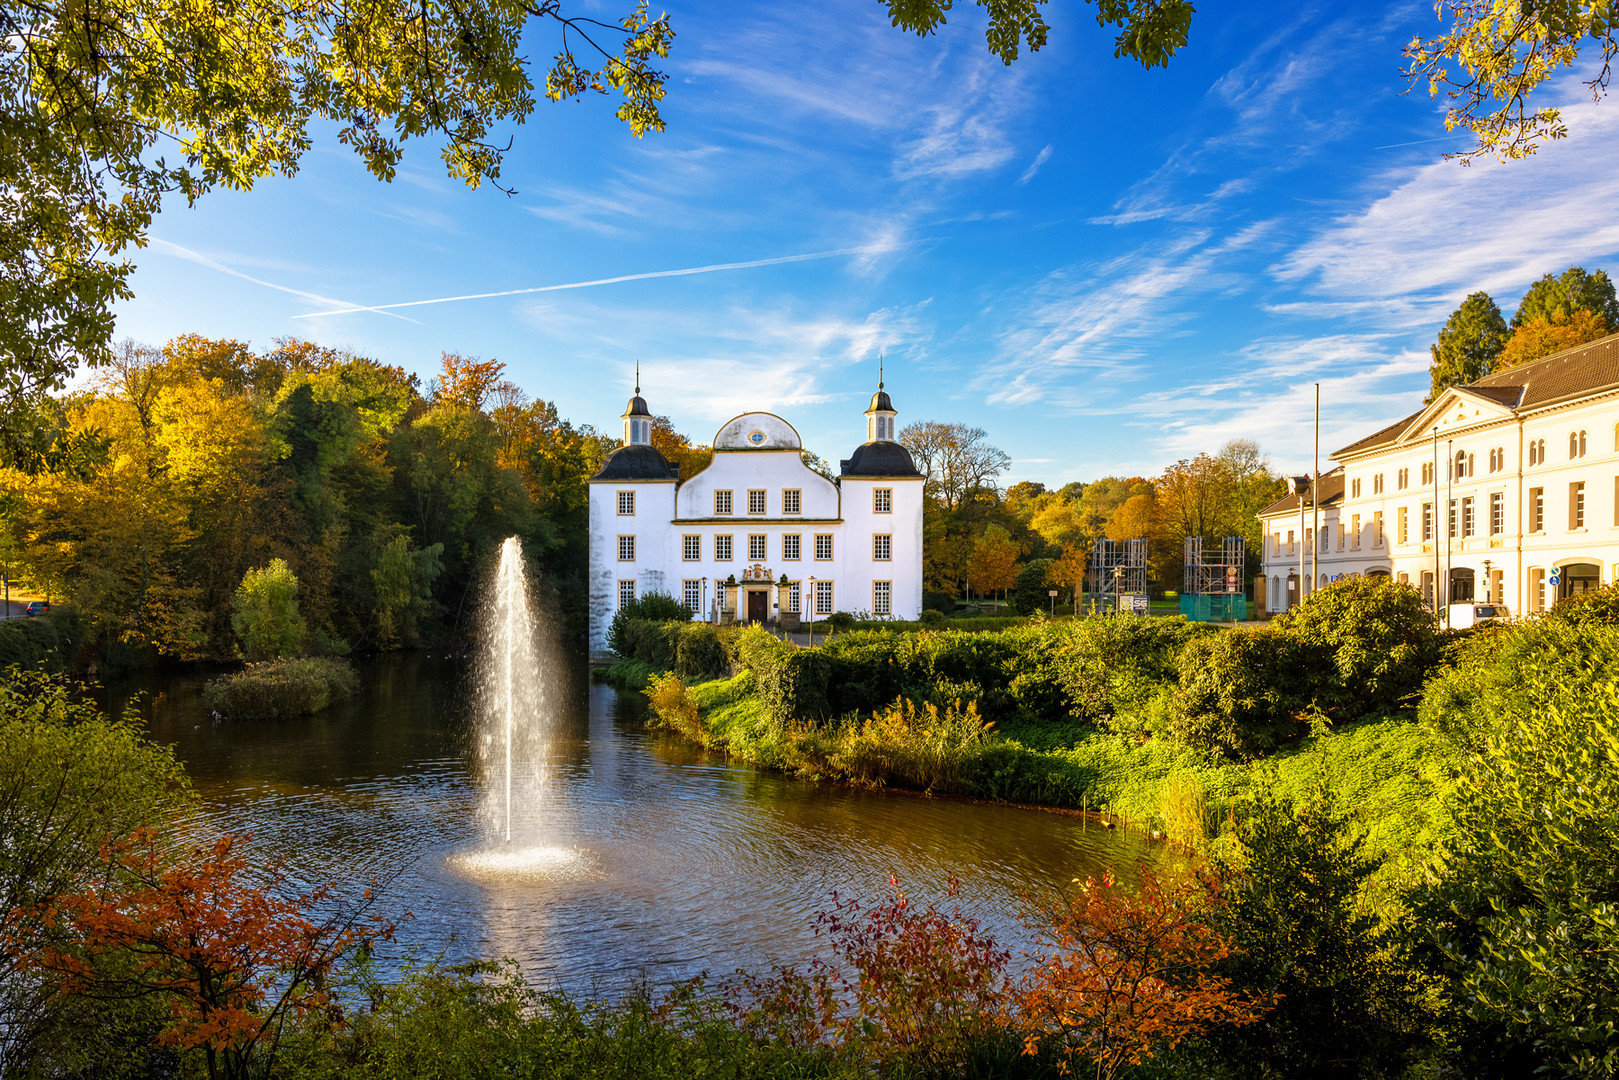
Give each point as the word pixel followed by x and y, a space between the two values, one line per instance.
pixel 654 505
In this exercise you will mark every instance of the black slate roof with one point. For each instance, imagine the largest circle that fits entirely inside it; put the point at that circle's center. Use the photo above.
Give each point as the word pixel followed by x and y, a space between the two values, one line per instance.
pixel 880 459
pixel 637 463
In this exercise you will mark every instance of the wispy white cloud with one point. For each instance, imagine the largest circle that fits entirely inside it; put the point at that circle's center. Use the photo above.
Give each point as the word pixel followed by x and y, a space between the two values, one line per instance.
pixel 1443 230
pixel 1034 166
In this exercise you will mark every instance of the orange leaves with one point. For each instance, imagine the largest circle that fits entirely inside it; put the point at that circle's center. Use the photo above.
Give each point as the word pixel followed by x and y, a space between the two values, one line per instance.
pixel 231 960
pixel 1124 975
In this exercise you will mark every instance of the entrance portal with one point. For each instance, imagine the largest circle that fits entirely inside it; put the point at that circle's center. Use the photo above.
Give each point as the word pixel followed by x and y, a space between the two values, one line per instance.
pixel 758 605
pixel 1577 578
pixel 1461 585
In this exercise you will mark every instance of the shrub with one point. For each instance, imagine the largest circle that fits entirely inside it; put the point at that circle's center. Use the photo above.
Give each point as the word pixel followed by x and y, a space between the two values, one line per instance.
pixel 47 640
pixel 1240 691
pixel 1370 644
pixel 792 683
pixel 653 607
pixel 1525 916
pixel 1110 665
pixel 1594 607
pixel 840 621
pixel 1029 594
pixel 938 601
pixel 932 617
pixel 264 612
pixel 919 746
pixel 278 689
pixel 700 653
pixel 675 708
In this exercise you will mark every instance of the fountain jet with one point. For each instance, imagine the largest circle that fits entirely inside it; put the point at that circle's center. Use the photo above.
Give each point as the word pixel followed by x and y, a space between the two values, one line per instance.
pixel 515 677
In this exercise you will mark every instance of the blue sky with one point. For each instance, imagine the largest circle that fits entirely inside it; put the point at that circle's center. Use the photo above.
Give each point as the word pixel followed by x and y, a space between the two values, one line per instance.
pixel 1107 269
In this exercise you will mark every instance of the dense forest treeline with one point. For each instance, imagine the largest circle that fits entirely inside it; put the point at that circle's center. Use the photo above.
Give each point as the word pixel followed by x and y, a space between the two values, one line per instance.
pixel 383 497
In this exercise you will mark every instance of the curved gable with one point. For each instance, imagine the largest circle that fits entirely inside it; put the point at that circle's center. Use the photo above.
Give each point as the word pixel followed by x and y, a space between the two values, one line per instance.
pixel 757 431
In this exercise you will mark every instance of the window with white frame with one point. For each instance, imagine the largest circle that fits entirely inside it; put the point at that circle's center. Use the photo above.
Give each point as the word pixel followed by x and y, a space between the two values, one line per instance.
pixel 722 548
pixel 722 503
pixel 792 500
pixel 1468 524
pixel 1377 528
pixel 795 596
pixel 1377 484
pixel 756 501
pixel 882 500
pixel 692 594
pixel 1537 510
pixel 1498 513
pixel 626 549
pixel 1453 521
pixel 1404 479
pixel 1402 526
pixel 882 547
pixel 823 547
pixel 626 591
pixel 882 593
pixel 1427 521
pixel 626 504
pixel 757 549
pixel 1354 533
pixel 1427 473
pixel 1576 505
pixel 1354 488
pixel 790 547
pixel 691 548
pixel 823 598
pixel 1290 541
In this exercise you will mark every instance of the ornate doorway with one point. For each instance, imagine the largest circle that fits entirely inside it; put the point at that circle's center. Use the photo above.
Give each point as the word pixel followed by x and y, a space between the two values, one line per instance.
pixel 758 605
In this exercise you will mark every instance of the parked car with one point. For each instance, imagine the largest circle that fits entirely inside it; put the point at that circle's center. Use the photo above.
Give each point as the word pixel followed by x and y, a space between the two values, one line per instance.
pixel 1463 616
pixel 37 607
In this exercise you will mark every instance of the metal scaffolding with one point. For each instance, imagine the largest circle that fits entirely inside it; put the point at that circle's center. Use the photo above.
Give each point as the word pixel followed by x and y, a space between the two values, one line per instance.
pixel 1119 567
pixel 1212 586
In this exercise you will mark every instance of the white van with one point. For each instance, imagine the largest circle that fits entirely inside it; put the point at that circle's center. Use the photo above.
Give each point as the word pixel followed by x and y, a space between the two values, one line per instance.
pixel 1463 616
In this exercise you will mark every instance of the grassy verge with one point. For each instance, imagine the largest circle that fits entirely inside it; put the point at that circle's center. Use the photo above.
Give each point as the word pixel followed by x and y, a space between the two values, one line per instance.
pixel 1388 773
pixel 278 689
pixel 625 675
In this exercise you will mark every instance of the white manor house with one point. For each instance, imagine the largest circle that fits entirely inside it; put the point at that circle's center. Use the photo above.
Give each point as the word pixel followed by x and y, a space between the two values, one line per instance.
pixel 757 536
pixel 1505 491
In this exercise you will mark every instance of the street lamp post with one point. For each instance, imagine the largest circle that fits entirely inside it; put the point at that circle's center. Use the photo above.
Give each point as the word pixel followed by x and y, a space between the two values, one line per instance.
pixel 1489 584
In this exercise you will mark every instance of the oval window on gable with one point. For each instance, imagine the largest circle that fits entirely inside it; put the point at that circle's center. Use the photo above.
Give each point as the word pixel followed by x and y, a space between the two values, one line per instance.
pixel 756 437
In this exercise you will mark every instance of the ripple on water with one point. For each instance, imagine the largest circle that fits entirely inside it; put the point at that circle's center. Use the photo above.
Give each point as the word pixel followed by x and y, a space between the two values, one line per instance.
pixel 524 864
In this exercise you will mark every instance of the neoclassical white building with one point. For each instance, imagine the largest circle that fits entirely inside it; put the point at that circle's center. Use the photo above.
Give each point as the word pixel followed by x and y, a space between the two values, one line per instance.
pixel 758 535
pixel 1505 490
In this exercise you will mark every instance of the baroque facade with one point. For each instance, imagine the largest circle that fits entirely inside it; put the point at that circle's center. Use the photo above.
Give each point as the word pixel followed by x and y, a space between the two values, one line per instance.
pixel 1505 491
pixel 757 536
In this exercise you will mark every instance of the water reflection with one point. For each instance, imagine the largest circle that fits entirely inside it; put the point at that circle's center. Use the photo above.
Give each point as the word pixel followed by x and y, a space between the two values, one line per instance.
pixel 663 861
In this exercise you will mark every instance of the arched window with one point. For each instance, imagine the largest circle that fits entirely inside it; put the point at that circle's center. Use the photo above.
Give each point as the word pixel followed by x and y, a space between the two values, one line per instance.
pixel 1573 445
pixel 1582 443
pixel 1471 466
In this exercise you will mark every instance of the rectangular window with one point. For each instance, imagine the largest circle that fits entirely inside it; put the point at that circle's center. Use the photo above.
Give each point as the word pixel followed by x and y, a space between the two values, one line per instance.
pixel 1537 510
pixel 882 547
pixel 1469 526
pixel 789 547
pixel 1377 528
pixel 1453 518
pixel 1276 544
pixel 1616 486
pixel 791 500
pixel 881 597
pixel 1309 538
pixel 722 503
pixel 626 592
pixel 882 500
pixel 1354 532
pixel 1427 521
pixel 1537 590
pixel 1290 541
pixel 692 595
pixel 1498 514
pixel 1343 534
pixel 823 547
pixel 795 596
pixel 626 504
pixel 1326 538
pixel 1402 526
pixel 756 501
pixel 626 549
pixel 823 598
pixel 1576 505
pixel 722 549
pixel 691 548
pixel 757 551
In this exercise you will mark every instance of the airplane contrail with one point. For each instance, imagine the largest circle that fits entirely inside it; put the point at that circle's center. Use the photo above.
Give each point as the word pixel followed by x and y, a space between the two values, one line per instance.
pixel 386 309
pixel 198 257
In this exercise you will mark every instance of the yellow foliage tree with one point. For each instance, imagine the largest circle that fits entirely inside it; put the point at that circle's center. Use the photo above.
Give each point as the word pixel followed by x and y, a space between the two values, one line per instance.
pixel 993 564
pixel 1542 337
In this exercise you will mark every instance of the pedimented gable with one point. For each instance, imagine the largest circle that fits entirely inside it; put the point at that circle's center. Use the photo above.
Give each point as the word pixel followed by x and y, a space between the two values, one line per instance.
pixel 1458 409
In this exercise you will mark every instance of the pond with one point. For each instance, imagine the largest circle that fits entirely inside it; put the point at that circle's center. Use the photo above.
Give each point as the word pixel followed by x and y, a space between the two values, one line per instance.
pixel 687 862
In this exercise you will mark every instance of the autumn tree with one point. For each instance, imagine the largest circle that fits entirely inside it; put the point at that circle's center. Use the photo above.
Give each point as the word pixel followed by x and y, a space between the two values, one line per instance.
pixel 1468 344
pixel 1541 337
pixel 228 961
pixel 1571 291
pixel 993 564
pixel 1069 570
pixel 956 461
pixel 1122 977
pixel 691 457
pixel 264 612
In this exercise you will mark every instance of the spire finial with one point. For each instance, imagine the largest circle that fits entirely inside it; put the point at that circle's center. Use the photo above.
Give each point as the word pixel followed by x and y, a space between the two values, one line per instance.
pixel 879 371
pixel 638 376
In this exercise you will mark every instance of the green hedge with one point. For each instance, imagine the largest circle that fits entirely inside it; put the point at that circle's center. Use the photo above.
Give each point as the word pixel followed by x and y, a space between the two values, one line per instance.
pixel 48 641
pixel 694 651
pixel 277 689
